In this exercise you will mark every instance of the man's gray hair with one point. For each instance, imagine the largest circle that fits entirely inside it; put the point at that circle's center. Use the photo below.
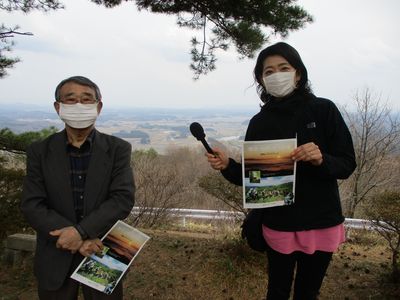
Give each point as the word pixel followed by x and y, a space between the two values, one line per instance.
pixel 79 80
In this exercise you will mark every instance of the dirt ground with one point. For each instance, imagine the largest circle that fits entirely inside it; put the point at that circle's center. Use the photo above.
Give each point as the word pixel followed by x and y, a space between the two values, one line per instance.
pixel 191 265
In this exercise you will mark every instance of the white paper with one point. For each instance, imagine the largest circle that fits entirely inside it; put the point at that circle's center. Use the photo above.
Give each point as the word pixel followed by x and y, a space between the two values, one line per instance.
pixel 268 172
pixel 103 271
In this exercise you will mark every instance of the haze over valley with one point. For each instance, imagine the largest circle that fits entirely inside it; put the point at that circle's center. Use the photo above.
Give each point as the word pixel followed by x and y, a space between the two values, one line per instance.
pixel 144 128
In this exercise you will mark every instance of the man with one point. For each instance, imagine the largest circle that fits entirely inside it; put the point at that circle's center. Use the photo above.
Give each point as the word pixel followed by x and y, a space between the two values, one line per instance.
pixel 78 184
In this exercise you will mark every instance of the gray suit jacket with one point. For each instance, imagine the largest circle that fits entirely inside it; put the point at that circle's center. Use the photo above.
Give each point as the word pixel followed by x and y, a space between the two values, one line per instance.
pixel 47 201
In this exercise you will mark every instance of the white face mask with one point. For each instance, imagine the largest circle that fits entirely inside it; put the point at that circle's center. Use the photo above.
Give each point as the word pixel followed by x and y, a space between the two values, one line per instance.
pixel 78 115
pixel 280 84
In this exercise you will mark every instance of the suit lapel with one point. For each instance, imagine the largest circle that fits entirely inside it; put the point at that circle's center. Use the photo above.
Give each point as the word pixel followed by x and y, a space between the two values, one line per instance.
pixel 58 167
pixel 98 168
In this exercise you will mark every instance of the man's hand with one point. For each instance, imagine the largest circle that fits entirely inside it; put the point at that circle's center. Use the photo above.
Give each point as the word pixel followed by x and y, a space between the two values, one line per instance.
pixel 68 238
pixel 90 247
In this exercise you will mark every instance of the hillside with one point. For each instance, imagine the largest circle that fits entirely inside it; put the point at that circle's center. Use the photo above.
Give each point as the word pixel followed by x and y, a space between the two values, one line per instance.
pixel 208 265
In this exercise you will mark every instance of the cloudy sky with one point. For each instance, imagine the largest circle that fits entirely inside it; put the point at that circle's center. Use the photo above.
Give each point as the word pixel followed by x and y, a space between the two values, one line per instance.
pixel 142 59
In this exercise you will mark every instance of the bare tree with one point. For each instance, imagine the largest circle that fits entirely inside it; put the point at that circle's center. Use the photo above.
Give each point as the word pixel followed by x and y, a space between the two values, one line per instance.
pixel 384 213
pixel 192 164
pixel 168 181
pixel 157 186
pixel 215 184
pixel 375 132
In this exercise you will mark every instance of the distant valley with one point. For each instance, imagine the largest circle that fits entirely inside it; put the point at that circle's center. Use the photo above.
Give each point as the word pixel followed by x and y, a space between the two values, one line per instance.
pixel 144 128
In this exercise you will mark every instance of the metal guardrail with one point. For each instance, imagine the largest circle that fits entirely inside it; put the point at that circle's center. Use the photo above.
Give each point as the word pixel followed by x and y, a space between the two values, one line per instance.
pixel 207 214
pixel 359 224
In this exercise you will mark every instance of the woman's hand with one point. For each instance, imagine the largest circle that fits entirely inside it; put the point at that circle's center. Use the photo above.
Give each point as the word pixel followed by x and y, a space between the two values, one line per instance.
pixel 219 161
pixel 308 152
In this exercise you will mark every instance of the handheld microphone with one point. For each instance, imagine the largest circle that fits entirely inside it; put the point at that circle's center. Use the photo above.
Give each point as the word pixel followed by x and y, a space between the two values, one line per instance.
pixel 198 132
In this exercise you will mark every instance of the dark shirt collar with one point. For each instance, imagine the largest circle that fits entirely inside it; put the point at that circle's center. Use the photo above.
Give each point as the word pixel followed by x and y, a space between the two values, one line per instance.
pixel 89 140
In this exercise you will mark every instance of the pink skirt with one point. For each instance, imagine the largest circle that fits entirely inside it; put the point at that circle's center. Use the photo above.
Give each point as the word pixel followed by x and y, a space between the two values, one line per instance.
pixel 307 241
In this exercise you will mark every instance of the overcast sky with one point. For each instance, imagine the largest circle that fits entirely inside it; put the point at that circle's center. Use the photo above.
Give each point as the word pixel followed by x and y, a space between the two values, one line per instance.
pixel 142 59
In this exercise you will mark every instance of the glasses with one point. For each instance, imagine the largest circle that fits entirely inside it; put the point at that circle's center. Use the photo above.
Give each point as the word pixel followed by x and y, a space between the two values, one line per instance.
pixel 84 99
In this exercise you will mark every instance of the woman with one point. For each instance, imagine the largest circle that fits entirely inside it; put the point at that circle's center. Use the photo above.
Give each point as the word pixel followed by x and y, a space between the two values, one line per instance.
pixel 304 235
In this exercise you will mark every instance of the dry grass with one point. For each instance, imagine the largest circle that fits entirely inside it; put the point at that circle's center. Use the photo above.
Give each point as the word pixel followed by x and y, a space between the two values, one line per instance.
pixel 205 264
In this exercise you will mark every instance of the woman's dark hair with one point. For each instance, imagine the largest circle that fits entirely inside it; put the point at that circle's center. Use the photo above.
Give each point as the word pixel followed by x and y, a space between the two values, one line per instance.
pixel 79 80
pixel 293 58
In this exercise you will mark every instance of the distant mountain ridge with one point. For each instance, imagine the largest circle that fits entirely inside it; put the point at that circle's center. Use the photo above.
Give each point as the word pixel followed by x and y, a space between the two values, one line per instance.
pixel 159 128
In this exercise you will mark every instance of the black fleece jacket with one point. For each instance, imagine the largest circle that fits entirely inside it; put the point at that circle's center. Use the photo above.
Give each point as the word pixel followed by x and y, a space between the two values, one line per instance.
pixel 317 202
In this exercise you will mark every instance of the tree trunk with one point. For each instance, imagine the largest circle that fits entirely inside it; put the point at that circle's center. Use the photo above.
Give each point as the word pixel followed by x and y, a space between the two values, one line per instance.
pixel 395 267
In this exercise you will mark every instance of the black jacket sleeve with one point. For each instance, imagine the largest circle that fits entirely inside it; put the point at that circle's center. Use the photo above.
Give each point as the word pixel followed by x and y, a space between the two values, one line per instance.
pixel 233 173
pixel 335 144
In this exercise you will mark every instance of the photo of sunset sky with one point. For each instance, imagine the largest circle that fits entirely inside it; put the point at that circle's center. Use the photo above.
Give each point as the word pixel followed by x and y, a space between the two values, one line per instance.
pixel 124 242
pixel 272 158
